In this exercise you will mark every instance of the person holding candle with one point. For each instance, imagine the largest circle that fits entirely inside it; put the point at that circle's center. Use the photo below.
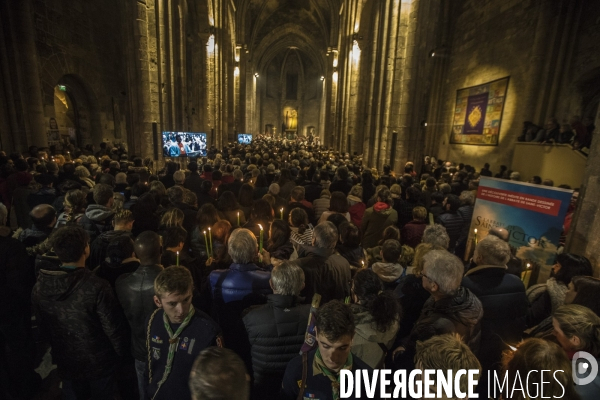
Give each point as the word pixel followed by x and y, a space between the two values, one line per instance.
pixel 173 243
pixel 279 246
pixel 230 210
pixel 262 214
pixel 503 299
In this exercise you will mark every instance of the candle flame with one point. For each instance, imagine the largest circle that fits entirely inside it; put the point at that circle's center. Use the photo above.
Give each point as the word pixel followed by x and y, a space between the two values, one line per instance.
pixel 260 226
pixel 475 230
pixel 205 232
pixel 513 348
pixel 209 228
pixel 528 265
pixel 177 253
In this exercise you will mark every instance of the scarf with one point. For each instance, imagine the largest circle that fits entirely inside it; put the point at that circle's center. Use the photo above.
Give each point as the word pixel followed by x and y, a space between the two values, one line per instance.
pixel 334 377
pixel 173 342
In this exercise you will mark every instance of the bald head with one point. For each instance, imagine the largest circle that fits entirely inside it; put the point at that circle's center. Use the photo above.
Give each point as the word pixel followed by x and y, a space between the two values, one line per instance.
pixel 148 248
pixel 500 233
pixel 43 216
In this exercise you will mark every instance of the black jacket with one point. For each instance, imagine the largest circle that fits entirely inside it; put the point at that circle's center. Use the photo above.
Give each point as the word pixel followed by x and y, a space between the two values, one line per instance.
pixel 96 220
pixel 81 318
pixel 136 295
pixel 276 333
pixel 454 226
pixel 504 309
pixel 325 273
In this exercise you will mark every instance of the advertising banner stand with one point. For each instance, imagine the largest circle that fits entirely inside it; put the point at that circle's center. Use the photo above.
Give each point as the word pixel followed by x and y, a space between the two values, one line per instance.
pixel 532 214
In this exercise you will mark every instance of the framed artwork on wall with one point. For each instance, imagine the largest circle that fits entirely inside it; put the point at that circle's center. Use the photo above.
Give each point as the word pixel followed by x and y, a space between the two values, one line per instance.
pixel 478 113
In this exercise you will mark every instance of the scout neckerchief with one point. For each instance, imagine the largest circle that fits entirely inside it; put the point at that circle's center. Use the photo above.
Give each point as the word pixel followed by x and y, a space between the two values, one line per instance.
pixel 173 341
pixel 334 377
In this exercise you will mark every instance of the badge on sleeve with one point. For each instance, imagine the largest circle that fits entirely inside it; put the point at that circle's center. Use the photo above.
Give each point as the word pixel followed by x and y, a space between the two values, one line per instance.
pixel 156 353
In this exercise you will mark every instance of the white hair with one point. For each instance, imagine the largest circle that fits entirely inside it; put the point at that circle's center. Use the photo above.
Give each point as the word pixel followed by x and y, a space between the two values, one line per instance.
pixel 242 246
pixel 492 250
pixel 445 269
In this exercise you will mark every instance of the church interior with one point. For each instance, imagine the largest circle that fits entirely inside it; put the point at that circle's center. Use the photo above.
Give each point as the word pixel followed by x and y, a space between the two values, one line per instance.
pixel 383 79
pixel 389 81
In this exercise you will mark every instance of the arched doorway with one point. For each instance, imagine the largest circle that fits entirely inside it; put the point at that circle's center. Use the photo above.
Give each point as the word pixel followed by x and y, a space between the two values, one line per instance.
pixel 65 124
pixel 76 116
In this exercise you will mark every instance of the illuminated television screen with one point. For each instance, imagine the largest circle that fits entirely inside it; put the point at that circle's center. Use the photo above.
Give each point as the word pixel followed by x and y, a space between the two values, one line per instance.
pixel 244 138
pixel 184 144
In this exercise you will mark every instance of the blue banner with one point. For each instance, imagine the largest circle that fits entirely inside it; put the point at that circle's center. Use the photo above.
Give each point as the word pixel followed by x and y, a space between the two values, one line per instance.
pixel 533 215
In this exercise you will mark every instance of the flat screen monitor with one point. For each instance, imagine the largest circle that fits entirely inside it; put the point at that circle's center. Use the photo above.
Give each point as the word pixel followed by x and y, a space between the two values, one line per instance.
pixel 244 138
pixel 184 144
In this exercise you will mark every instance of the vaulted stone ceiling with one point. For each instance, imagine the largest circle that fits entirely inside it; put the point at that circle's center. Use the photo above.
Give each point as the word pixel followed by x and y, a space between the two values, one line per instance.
pixel 270 27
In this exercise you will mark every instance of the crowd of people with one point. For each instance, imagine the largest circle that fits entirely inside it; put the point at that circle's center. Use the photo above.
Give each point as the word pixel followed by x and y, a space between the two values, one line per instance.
pixel 574 131
pixel 210 280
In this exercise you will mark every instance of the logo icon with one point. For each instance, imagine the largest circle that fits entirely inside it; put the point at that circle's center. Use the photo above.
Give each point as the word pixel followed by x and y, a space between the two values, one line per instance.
pixel 585 368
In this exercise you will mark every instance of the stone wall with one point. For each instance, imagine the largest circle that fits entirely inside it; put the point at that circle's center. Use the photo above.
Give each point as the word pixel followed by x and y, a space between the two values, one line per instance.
pixel 83 41
pixel 550 50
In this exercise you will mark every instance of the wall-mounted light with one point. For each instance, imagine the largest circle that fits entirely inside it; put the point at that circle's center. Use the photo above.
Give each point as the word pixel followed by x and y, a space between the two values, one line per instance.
pixel 423 123
pixel 237 52
pixel 432 53
pixel 335 76
pixel 322 78
pixel 236 71
pixel 256 75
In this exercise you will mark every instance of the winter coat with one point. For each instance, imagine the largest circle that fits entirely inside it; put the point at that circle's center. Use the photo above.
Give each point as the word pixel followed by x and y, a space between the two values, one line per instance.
pixel 81 317
pixel 374 222
pixel 136 295
pixel 321 205
pixel 97 219
pixel 466 213
pixel 412 233
pixel 389 273
pixel 368 341
pixel 325 273
pixel 504 309
pixel 33 236
pixel 460 314
pixel 454 226
pixel 234 290
pixel 16 280
pixel 276 333
pixel 544 299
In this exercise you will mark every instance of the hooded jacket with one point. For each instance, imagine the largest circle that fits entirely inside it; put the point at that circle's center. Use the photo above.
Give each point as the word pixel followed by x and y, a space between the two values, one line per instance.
pixel 389 273
pixel 97 219
pixel 374 221
pixel 81 317
pixel 368 341
pixel 460 314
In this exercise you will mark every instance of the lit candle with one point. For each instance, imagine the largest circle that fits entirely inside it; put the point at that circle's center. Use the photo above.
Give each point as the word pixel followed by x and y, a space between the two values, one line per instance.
pixel 363 263
pixel 475 230
pixel 238 218
pixel 261 239
pixel 210 241
pixel 206 243
pixel 281 213
pixel 178 259
pixel 526 275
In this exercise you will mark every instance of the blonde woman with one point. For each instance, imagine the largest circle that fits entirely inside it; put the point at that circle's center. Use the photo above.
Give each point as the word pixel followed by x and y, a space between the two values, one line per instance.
pixel 577 328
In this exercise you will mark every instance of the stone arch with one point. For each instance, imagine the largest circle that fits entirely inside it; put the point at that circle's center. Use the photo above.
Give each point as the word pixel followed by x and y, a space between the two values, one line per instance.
pixel 87 117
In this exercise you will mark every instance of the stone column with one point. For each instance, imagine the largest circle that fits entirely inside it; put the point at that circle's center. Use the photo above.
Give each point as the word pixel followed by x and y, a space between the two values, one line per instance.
pixel 584 236
pixel 31 85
